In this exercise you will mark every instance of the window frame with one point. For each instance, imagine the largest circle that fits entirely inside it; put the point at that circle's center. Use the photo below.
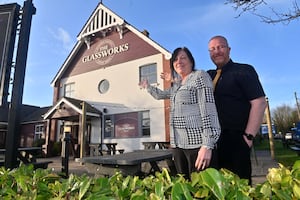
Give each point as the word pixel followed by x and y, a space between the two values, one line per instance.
pixel 143 131
pixel 69 89
pixel 146 72
pixel 38 131
pixel 146 130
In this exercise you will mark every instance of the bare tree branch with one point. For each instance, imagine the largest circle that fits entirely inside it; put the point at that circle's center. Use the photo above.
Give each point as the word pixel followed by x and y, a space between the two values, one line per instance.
pixel 277 17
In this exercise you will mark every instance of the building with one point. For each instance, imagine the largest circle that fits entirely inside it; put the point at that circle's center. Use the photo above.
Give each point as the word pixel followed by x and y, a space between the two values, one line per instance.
pixel 31 127
pixel 96 91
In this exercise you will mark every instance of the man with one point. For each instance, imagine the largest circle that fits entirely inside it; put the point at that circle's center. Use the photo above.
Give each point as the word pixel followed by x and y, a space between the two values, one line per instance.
pixel 240 101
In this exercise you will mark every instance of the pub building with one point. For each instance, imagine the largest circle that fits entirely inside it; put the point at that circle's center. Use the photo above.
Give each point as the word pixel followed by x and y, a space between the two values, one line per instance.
pixel 96 92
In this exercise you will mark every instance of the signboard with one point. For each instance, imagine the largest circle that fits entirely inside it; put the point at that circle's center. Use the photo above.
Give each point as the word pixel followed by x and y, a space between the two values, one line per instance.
pixel 264 130
pixel 126 125
pixel 8 23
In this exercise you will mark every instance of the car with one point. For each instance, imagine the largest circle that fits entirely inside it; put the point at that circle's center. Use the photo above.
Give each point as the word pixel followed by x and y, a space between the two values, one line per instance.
pixel 278 136
pixel 288 136
pixel 296 137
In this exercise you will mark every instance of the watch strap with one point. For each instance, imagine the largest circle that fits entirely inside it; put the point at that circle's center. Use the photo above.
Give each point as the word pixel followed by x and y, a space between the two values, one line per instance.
pixel 249 136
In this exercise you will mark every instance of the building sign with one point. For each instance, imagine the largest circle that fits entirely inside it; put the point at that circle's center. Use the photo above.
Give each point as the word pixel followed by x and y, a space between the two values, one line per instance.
pixel 126 125
pixel 7 30
pixel 105 51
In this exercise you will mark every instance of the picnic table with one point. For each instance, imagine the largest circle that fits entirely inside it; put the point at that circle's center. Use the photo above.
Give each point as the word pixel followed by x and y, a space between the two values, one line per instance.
pixel 111 149
pixel 129 163
pixel 28 155
pixel 154 144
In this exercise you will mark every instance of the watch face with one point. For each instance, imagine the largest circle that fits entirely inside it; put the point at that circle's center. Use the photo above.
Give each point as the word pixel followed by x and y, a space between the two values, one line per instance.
pixel 103 86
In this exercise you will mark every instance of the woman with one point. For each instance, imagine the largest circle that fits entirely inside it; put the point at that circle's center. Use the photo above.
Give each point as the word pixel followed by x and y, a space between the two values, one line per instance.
pixel 194 121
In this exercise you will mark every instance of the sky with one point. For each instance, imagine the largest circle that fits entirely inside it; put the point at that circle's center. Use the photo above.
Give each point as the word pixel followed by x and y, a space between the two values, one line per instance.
pixel 273 49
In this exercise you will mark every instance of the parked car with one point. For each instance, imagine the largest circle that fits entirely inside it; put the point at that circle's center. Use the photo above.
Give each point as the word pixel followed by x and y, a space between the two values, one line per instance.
pixel 296 137
pixel 288 136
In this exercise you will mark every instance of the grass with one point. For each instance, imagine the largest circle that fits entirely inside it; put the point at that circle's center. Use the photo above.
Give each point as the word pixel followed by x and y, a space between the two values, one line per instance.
pixel 283 154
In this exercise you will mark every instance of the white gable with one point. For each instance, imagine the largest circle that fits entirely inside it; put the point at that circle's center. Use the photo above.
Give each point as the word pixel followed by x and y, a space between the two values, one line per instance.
pixel 101 19
pixel 104 20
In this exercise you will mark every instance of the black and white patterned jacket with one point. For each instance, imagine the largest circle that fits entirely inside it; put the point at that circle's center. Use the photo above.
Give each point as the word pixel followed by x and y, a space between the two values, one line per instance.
pixel 193 115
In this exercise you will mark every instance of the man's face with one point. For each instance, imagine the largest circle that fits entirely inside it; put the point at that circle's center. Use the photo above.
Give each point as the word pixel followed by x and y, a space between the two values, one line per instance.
pixel 219 51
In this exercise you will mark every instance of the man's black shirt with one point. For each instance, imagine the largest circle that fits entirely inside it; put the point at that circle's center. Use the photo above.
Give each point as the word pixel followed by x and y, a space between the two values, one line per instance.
pixel 238 84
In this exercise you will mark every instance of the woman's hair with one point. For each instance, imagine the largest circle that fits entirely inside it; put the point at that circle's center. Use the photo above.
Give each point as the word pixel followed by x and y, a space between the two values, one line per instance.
pixel 174 55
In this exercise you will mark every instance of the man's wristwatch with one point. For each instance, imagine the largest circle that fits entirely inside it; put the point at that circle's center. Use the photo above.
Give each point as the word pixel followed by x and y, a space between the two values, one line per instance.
pixel 249 136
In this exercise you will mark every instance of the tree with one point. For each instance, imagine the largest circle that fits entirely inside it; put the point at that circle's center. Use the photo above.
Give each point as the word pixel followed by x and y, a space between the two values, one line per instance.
pixel 276 17
pixel 284 117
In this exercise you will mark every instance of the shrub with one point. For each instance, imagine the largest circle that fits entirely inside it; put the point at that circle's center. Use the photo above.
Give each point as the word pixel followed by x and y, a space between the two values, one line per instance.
pixel 27 183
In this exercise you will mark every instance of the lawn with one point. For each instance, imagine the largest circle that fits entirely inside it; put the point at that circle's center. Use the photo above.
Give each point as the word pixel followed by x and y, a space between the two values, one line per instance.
pixel 283 154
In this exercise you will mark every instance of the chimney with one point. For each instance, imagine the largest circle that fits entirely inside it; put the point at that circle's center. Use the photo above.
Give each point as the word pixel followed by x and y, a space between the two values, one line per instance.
pixel 145 32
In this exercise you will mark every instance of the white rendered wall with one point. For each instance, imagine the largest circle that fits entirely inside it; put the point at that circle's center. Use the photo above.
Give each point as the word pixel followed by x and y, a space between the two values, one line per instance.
pixel 124 89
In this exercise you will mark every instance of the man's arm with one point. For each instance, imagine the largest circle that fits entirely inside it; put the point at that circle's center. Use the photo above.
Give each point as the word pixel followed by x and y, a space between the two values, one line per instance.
pixel 256 116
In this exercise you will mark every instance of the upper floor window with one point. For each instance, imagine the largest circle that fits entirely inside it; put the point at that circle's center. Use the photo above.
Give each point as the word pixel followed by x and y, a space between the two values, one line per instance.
pixel 69 90
pixel 149 72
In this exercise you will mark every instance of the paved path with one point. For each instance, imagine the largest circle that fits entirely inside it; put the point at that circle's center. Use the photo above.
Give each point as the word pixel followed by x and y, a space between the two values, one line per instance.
pixel 259 168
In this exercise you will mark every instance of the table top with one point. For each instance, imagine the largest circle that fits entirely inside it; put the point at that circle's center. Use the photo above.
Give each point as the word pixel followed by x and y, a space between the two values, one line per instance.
pixel 130 158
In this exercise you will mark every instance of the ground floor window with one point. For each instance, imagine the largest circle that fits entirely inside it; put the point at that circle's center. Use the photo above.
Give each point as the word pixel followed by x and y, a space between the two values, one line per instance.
pixel 127 125
pixel 146 123
pixel 38 131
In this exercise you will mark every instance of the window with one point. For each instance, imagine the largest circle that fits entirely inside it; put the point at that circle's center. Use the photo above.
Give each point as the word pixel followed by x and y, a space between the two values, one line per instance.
pixel 69 90
pixel 149 72
pixel 127 125
pixel 38 131
pixel 146 123
pixel 108 126
pixel 103 86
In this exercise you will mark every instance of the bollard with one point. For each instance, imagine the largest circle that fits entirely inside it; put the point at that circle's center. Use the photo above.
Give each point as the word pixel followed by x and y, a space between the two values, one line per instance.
pixel 65 153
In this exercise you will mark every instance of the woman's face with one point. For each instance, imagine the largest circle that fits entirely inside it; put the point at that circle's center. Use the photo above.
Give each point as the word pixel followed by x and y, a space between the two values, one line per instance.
pixel 182 64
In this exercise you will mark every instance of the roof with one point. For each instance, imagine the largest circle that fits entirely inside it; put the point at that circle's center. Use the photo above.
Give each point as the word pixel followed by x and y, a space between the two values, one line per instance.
pixel 101 20
pixel 28 113
pixel 74 104
pixel 36 115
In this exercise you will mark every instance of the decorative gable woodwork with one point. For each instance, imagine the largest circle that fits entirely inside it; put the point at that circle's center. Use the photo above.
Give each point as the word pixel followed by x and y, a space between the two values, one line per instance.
pixel 102 20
